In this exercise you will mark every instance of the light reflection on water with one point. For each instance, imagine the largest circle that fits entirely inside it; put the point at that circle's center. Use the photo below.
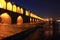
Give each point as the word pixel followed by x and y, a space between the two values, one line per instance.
pixel 7 30
pixel 10 29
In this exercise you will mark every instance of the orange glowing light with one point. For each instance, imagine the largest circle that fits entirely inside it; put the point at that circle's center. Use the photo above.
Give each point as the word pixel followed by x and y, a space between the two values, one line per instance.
pixel 30 19
pixel 5 18
pixel 19 20
pixel 21 10
pixel 33 20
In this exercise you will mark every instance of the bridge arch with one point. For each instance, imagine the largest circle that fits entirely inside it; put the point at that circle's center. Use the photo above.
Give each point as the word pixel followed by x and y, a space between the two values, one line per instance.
pixel 5 18
pixel 19 20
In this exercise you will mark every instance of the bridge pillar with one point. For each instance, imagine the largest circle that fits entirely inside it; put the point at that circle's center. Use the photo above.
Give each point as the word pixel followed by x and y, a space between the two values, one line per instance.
pixel 13 17
pixel 31 19
pixel 34 20
pixel 26 19
pixel 14 20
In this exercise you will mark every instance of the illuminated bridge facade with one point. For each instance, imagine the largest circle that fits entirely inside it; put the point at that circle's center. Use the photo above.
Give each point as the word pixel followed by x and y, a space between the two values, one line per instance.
pixel 11 13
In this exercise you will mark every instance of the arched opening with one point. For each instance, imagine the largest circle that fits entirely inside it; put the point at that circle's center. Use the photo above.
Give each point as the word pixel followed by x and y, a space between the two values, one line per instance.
pixel 19 20
pixel 18 10
pixel 27 13
pixel 2 4
pixel 9 6
pixel 5 18
pixel 14 8
pixel 22 11
pixel 30 19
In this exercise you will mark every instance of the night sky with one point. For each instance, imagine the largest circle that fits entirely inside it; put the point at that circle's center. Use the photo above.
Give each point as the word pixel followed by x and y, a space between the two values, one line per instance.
pixel 43 8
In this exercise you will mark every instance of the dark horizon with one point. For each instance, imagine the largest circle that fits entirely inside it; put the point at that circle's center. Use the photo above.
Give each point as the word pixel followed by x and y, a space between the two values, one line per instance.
pixel 43 8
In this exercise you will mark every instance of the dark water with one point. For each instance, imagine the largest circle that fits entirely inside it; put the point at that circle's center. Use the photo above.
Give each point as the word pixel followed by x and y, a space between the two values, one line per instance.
pixel 41 32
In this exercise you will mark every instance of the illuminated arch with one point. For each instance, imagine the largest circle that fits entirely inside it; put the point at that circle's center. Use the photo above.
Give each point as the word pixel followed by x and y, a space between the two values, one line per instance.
pixel 19 20
pixel 30 19
pixel 18 10
pixel 2 4
pixel 9 6
pixel 5 18
pixel 14 8
pixel 27 13
pixel 33 19
pixel 21 10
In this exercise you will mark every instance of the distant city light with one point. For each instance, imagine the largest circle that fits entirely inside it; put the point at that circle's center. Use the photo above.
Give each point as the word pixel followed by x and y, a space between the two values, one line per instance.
pixel 47 19
pixel 58 20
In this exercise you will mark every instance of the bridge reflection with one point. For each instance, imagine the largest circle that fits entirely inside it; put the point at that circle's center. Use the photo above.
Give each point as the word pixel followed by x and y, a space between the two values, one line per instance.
pixel 11 29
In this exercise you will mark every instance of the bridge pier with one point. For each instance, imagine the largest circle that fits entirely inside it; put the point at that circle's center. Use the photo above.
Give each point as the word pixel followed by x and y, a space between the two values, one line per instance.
pixel 26 19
